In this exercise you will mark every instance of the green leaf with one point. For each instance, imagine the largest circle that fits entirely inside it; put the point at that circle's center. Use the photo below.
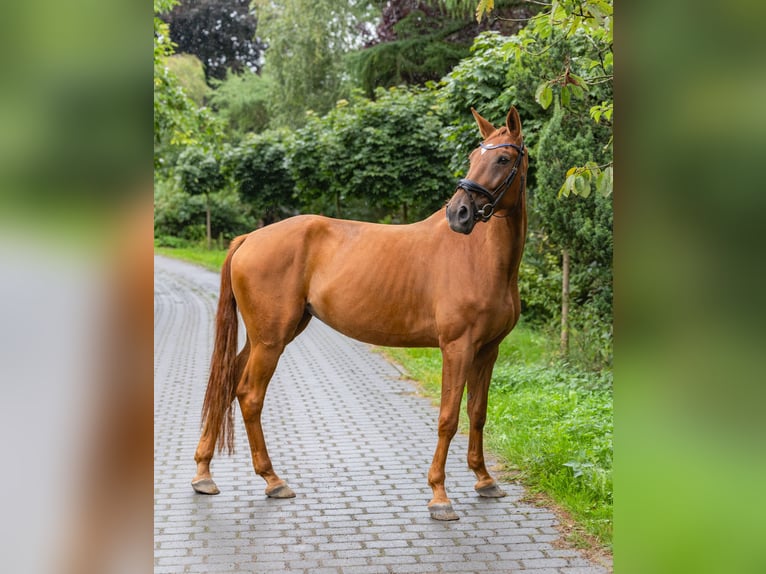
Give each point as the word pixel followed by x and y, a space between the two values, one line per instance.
pixel 486 91
pixel 578 81
pixel 604 183
pixel 596 12
pixel 539 91
pixel 605 6
pixel 581 186
pixel 599 182
pixel 575 24
pixel 544 95
pixel 565 96
pixel 553 11
pixel 568 186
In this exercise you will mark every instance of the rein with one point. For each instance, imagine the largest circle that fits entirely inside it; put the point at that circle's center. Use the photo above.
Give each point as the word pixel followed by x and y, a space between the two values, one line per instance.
pixel 469 186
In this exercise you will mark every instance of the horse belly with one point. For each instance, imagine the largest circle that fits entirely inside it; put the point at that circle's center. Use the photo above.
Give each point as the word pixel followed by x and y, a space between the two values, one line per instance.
pixel 375 335
pixel 380 311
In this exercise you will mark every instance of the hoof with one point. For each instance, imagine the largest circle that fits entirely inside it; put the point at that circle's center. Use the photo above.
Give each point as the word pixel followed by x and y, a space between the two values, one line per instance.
pixel 281 490
pixel 205 486
pixel 491 491
pixel 443 511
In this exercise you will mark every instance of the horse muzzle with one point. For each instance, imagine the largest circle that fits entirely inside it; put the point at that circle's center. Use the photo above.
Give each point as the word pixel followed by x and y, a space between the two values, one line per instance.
pixel 460 214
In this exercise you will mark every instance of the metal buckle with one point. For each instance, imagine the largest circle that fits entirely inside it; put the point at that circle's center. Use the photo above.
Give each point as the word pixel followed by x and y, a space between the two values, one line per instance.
pixel 485 214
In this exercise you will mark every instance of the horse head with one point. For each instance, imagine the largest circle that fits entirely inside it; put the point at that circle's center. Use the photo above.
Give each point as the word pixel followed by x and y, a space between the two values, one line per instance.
pixel 496 176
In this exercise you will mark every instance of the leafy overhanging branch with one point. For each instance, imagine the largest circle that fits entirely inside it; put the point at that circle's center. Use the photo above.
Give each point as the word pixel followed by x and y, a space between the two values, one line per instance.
pixel 591 20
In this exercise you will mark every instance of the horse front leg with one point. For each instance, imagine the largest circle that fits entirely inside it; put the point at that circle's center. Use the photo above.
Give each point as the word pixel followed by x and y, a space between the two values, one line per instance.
pixel 456 363
pixel 478 391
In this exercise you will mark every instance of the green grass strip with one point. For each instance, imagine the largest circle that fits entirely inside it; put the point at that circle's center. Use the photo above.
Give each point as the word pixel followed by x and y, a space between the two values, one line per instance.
pixel 550 424
pixel 210 259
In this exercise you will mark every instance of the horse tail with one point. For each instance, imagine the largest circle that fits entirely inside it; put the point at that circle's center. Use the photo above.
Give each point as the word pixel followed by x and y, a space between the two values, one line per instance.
pixel 222 384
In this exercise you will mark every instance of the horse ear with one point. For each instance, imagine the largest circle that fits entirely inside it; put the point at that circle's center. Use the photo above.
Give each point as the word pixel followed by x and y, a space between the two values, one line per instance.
pixel 513 122
pixel 485 128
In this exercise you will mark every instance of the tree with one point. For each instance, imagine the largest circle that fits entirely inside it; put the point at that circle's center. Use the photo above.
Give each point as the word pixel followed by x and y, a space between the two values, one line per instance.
pixel 242 102
pixel 392 152
pixel 198 173
pixel 221 33
pixel 258 168
pixel 581 230
pixel 180 217
pixel 487 82
pixel 191 75
pixel 178 121
pixel 418 41
pixel 308 40
pixel 311 155
pixel 584 29
pixel 384 153
pixel 172 107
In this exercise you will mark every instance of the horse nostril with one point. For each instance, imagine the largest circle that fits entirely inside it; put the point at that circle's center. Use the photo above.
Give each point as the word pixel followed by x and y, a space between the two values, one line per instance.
pixel 463 215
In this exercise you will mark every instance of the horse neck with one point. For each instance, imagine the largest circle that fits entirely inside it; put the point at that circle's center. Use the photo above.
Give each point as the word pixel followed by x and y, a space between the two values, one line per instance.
pixel 510 234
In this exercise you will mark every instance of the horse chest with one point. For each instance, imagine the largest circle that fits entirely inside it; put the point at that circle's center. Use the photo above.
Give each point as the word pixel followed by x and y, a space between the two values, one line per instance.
pixel 497 318
pixel 485 315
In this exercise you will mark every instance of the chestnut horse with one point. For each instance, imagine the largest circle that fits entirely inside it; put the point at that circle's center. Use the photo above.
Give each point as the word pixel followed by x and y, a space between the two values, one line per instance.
pixel 443 282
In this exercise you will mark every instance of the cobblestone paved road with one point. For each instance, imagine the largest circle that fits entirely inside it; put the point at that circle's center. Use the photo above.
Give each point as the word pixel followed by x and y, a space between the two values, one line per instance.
pixel 350 437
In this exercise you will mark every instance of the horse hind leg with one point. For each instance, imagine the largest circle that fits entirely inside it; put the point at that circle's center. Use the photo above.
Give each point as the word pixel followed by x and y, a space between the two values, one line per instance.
pixel 251 393
pixel 203 481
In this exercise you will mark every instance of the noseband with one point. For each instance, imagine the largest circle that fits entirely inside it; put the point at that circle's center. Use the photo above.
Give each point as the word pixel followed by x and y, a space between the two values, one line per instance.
pixel 470 186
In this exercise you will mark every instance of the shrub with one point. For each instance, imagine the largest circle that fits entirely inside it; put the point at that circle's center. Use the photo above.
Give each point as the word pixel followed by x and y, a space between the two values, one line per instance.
pixel 181 215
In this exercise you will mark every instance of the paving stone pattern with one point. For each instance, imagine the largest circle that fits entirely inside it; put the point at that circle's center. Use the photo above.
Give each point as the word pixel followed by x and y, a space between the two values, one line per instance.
pixel 351 438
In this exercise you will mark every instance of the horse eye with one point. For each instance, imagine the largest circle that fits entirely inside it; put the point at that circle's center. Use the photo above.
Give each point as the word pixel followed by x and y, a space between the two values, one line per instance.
pixel 503 159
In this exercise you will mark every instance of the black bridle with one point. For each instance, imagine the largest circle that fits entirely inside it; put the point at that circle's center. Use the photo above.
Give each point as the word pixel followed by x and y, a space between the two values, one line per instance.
pixel 471 187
